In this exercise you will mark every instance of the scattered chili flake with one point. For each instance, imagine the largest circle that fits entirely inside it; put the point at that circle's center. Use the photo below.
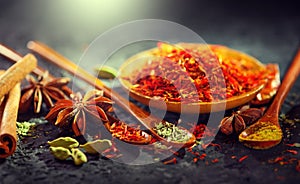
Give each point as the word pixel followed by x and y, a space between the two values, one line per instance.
pixel 204 146
pixel 296 144
pixel 197 155
pixel 202 156
pixel 215 160
pixel 243 158
pixel 195 160
pixel 294 152
pixel 170 161
pixel 278 159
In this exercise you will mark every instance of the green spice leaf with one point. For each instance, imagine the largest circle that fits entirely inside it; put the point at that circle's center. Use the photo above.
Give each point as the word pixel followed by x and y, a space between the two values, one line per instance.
pixel 23 129
pixel 78 156
pixel 171 132
pixel 65 142
pixel 96 146
pixel 60 153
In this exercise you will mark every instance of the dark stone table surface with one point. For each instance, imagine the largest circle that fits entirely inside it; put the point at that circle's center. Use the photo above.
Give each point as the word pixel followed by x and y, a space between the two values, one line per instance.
pixel 267 30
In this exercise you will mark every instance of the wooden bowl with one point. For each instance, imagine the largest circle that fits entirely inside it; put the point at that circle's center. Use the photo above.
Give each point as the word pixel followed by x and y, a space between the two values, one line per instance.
pixel 136 62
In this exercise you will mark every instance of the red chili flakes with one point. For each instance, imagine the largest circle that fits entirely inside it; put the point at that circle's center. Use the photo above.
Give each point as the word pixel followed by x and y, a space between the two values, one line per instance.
pixel 215 160
pixel 296 144
pixel 122 131
pixel 202 156
pixel 278 159
pixel 294 152
pixel 243 158
pixel 170 161
pixel 192 74
pixel 197 155
pixel 283 160
pixel 201 131
pixel 204 146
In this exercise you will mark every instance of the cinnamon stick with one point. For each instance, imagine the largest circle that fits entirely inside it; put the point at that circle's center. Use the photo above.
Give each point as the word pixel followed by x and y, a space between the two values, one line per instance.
pixel 8 118
pixel 16 73
pixel 14 56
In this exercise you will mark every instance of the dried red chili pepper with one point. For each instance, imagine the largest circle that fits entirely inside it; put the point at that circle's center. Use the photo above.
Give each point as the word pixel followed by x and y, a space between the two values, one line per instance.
pixel 204 146
pixel 294 152
pixel 202 156
pixel 215 160
pixel 278 159
pixel 195 160
pixel 243 158
pixel 170 161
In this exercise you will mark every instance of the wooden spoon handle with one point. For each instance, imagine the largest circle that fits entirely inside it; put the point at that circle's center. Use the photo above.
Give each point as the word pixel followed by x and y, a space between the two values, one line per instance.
pixel 286 84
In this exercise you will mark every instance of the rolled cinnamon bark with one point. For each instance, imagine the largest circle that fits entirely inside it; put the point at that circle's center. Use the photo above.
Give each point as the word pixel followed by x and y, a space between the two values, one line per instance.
pixel 10 92
pixel 8 118
pixel 16 73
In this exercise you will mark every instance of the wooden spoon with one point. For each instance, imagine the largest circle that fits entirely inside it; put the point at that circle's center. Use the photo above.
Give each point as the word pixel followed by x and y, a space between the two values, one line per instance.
pixel 142 116
pixel 266 132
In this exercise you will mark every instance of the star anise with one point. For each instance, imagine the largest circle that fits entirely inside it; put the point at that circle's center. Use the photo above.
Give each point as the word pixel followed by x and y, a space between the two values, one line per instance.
pixel 43 89
pixel 72 113
pixel 238 121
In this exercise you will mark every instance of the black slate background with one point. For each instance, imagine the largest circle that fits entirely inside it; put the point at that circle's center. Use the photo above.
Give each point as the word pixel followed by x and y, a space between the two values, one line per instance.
pixel 270 31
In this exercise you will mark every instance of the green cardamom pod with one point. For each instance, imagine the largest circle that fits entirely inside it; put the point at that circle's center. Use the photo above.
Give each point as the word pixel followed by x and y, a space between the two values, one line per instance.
pixel 78 156
pixel 97 146
pixel 106 72
pixel 60 152
pixel 66 142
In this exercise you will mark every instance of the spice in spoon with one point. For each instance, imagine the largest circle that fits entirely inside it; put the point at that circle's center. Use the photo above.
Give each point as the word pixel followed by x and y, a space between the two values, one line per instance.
pixel 263 132
pixel 171 132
